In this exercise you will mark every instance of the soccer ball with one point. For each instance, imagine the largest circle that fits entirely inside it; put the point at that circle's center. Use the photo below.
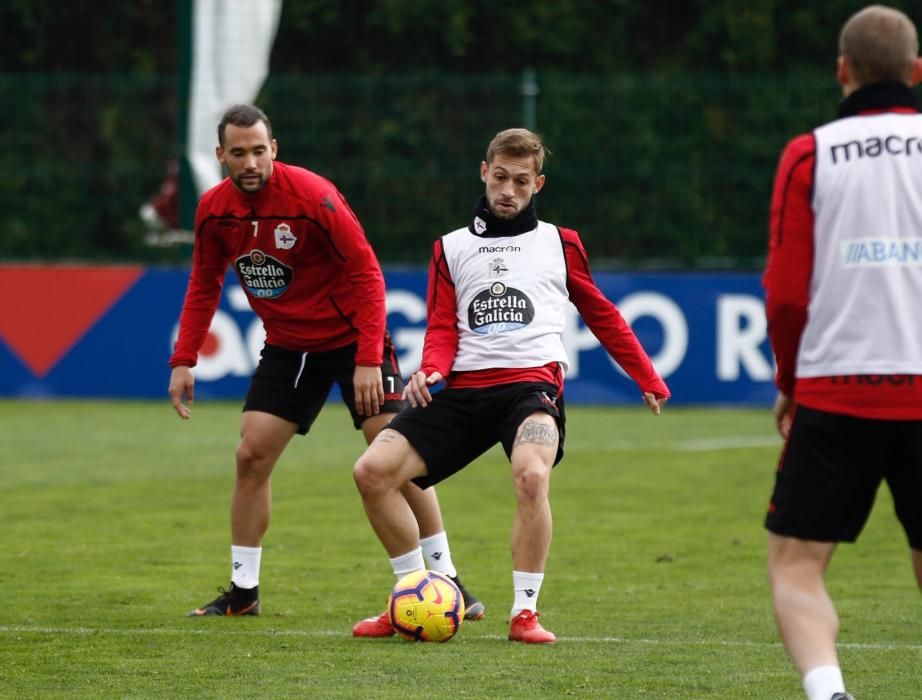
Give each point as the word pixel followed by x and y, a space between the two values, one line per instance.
pixel 426 606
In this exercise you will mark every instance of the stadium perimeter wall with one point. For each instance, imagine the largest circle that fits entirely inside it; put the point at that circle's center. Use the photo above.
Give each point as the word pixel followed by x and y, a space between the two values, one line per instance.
pixel 107 332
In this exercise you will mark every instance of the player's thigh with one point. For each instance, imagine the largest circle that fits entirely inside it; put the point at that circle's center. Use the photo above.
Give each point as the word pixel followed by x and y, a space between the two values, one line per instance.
pixel 450 433
pixel 827 478
pixel 784 551
pixel 263 437
pixel 343 374
pixel 390 458
pixel 373 425
pixel 535 444
pixel 533 426
pixel 289 385
pixel 903 473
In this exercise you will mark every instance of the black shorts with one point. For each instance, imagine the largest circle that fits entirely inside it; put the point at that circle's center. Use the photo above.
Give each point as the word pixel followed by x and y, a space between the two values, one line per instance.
pixel 295 385
pixel 459 425
pixel 831 468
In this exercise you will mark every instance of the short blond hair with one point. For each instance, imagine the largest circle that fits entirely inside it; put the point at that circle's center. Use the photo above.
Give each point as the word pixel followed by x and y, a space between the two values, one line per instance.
pixel 519 143
pixel 880 44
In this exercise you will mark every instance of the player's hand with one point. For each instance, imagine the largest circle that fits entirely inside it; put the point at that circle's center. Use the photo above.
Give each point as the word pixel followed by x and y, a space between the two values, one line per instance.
pixel 417 389
pixel 783 414
pixel 655 404
pixel 182 387
pixel 369 390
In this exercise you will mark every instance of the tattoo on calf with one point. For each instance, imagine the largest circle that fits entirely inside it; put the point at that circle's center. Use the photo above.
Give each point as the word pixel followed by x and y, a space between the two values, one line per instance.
pixel 537 433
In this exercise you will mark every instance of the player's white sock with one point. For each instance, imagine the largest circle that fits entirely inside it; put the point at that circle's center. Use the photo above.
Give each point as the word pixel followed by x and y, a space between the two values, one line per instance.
pixel 821 682
pixel 527 585
pixel 437 555
pixel 408 563
pixel 245 566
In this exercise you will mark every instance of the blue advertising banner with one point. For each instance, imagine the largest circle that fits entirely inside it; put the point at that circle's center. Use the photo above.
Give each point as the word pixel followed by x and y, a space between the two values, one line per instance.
pixel 108 332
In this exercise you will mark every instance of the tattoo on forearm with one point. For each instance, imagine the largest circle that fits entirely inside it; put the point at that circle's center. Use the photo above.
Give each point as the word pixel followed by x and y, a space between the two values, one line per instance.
pixel 537 433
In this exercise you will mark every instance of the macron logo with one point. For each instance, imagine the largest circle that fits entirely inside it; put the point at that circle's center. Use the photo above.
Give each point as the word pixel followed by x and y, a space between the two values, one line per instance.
pixel 499 249
pixel 237 565
pixel 530 592
pixel 437 555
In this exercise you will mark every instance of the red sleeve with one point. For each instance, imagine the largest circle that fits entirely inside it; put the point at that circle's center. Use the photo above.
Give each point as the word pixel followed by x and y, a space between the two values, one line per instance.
pixel 441 344
pixel 209 266
pixel 605 321
pixel 363 271
pixel 789 265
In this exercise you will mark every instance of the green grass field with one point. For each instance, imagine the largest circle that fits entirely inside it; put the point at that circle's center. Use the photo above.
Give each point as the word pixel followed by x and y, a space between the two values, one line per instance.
pixel 114 521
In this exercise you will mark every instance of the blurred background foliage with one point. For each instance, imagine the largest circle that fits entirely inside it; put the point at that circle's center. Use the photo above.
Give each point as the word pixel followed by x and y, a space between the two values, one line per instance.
pixel 665 119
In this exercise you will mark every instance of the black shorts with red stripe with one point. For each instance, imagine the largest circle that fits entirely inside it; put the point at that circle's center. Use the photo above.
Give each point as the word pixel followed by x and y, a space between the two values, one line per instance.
pixel 459 425
pixel 295 385
pixel 831 468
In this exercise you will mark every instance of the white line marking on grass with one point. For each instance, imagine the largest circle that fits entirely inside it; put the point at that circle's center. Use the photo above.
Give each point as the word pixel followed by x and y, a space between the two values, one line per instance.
pixel 728 443
pixel 128 631
pixel 87 631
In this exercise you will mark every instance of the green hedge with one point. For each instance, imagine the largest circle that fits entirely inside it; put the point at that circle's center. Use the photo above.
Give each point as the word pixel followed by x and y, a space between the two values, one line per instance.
pixel 655 171
pixel 665 119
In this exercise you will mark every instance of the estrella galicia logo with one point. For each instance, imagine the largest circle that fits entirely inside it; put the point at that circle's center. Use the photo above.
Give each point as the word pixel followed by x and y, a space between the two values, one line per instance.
pixel 263 276
pixel 499 309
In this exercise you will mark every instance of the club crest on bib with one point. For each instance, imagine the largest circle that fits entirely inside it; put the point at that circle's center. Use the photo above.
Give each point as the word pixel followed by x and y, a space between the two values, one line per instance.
pixel 499 309
pixel 262 275
pixel 498 267
pixel 284 238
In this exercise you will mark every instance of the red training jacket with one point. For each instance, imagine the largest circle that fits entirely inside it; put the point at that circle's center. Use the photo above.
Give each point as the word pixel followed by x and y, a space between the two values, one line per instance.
pixel 302 258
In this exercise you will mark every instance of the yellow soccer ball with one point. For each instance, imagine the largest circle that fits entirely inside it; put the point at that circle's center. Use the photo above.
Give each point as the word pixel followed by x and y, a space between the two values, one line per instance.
pixel 426 606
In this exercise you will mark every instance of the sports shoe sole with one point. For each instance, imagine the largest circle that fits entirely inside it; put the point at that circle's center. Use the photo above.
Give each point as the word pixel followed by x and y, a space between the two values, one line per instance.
pixel 251 609
pixel 475 612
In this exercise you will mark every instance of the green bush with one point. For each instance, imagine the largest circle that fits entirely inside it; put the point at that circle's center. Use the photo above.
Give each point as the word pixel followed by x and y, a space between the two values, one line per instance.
pixel 665 127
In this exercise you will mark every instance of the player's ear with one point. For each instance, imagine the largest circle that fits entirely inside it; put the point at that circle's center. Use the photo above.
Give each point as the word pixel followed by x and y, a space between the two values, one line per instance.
pixel 275 149
pixel 842 72
pixel 483 171
pixel 219 154
pixel 916 76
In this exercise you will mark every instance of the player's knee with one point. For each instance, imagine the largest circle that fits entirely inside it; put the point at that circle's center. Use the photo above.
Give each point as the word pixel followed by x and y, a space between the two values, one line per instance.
pixel 796 566
pixel 252 462
pixel 531 482
pixel 372 475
